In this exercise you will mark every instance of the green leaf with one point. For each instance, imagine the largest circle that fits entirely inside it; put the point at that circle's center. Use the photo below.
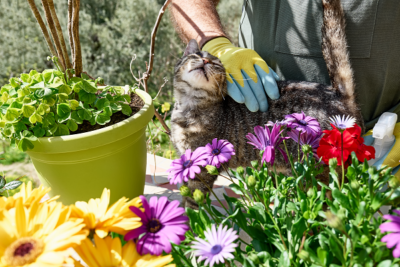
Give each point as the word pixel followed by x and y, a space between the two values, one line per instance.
pixel 76 118
pixel 341 198
pixel 63 112
pixel 27 110
pixel 103 118
pixel 89 87
pixel 38 131
pixel 8 129
pixel 12 114
pixel 25 77
pixel 28 101
pixel 66 89
pixel 235 188
pixel 84 114
pixel 62 130
pixel 115 106
pixel 87 98
pixel 322 256
pixel 25 144
pixel 108 111
pixel 102 103
pixel 258 210
pixel 336 249
pixel 28 135
pixel 284 260
pixel 35 118
pixel 12 185
pixel 2 181
pixel 40 93
pixel 126 109
pixel 43 108
pixel 72 125
pixel 63 97
pixel 73 104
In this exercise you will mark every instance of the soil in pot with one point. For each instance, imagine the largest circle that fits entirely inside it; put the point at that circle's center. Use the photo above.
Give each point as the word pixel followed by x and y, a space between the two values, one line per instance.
pixel 136 104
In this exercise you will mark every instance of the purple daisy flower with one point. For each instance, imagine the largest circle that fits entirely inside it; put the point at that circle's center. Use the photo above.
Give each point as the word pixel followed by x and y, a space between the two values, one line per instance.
pixel 342 123
pixel 392 239
pixel 218 247
pixel 306 139
pixel 267 141
pixel 163 223
pixel 303 123
pixel 219 151
pixel 187 166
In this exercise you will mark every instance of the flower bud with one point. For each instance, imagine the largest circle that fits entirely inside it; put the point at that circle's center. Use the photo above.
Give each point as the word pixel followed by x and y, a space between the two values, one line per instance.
pixel 212 170
pixel 394 182
pixel 310 193
pixel 198 196
pixel 254 163
pixel 354 185
pixel 306 149
pixel 334 221
pixel 251 181
pixel 240 170
pixel 185 191
pixel 304 255
pixel 333 162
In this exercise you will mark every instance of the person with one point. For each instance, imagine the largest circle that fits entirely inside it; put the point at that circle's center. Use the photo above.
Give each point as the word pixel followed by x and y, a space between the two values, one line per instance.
pixel 286 35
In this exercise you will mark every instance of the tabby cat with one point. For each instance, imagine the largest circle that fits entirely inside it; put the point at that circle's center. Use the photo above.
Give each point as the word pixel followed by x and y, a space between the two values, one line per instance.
pixel 203 110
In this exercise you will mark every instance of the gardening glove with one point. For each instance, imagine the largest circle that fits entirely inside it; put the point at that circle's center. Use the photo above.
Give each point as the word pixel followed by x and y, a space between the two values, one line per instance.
pixel 249 78
pixel 392 158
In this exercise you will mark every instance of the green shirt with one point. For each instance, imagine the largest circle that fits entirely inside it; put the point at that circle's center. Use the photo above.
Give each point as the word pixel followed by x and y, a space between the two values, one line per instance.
pixel 287 35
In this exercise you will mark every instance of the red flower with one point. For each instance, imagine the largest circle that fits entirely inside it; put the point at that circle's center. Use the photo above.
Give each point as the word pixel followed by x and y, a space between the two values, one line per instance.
pixel 330 145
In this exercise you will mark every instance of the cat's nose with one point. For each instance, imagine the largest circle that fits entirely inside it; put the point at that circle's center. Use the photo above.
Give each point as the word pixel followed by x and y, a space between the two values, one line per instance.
pixel 205 61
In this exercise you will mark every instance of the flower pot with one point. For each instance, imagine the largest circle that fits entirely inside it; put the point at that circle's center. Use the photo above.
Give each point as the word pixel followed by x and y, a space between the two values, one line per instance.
pixel 78 167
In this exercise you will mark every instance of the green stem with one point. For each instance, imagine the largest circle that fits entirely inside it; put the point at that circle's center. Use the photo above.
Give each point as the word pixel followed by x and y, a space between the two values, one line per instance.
pixel 341 186
pixel 277 229
pixel 211 214
pixel 233 182
pixel 290 158
pixel 298 147
pixel 181 256
pixel 212 192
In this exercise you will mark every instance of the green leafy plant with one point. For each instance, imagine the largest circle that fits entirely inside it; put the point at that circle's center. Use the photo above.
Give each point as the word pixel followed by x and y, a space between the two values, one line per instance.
pixel 52 104
pixel 6 186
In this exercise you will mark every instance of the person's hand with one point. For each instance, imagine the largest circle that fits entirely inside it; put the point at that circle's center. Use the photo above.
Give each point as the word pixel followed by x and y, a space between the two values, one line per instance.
pixel 392 158
pixel 249 78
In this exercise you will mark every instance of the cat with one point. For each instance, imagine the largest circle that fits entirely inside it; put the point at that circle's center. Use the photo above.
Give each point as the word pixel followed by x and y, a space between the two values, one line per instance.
pixel 203 110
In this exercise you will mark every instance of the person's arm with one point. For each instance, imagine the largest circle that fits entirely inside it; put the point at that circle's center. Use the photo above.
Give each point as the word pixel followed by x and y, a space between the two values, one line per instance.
pixel 196 19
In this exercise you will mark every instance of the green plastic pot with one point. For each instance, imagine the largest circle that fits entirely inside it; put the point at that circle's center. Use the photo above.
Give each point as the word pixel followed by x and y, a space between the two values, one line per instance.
pixel 78 167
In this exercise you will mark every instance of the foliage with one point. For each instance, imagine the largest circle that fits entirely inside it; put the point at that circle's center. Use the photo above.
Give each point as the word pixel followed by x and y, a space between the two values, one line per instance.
pixel 8 187
pixel 51 104
pixel 291 226
pixel 12 154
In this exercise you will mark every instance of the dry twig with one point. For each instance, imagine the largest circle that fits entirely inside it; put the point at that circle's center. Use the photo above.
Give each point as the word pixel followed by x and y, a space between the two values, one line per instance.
pixel 40 21
pixel 53 32
pixel 60 35
pixel 75 33
pixel 70 35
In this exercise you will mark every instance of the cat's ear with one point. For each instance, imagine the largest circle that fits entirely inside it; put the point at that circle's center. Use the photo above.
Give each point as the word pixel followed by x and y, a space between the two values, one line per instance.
pixel 191 48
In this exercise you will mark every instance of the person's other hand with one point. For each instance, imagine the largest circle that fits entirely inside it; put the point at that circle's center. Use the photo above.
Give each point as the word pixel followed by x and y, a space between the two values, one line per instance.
pixel 249 78
pixel 392 158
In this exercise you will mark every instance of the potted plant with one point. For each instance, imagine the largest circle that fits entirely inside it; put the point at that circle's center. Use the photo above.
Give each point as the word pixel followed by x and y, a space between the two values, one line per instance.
pixel 82 136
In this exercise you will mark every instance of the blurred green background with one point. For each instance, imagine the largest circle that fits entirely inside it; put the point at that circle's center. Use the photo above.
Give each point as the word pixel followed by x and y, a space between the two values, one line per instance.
pixel 111 32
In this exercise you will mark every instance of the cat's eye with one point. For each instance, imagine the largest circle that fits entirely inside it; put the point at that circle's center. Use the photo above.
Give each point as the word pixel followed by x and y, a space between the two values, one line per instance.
pixel 199 54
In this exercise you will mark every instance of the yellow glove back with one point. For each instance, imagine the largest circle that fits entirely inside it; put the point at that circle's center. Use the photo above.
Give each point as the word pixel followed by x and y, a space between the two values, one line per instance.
pixel 249 78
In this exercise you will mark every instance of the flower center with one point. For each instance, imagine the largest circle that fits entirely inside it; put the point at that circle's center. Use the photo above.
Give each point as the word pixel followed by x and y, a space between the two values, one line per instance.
pixel 187 163
pixel 216 152
pixel 216 249
pixel 303 122
pixel 341 126
pixel 23 251
pixel 154 225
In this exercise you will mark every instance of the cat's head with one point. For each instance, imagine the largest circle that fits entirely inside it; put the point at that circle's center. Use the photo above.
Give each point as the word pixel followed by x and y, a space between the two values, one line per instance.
pixel 200 70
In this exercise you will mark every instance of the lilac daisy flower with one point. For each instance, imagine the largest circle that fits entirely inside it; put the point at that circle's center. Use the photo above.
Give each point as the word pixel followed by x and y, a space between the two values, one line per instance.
pixel 267 141
pixel 342 123
pixel 218 247
pixel 392 239
pixel 163 222
pixel 187 166
pixel 306 139
pixel 220 151
pixel 303 123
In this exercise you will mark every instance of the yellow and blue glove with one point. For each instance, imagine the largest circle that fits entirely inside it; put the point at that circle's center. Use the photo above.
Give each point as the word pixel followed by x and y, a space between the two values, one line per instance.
pixel 392 158
pixel 249 78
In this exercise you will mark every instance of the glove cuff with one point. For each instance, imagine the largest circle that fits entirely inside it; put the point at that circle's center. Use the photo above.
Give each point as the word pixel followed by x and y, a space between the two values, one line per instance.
pixel 217 45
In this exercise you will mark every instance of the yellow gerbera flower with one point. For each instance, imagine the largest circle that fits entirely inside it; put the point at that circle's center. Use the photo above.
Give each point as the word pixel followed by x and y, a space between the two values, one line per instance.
pixel 38 236
pixel 102 219
pixel 108 252
pixel 28 196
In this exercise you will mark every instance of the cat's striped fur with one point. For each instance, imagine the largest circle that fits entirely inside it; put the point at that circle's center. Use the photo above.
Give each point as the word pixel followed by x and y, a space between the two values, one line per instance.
pixel 204 111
